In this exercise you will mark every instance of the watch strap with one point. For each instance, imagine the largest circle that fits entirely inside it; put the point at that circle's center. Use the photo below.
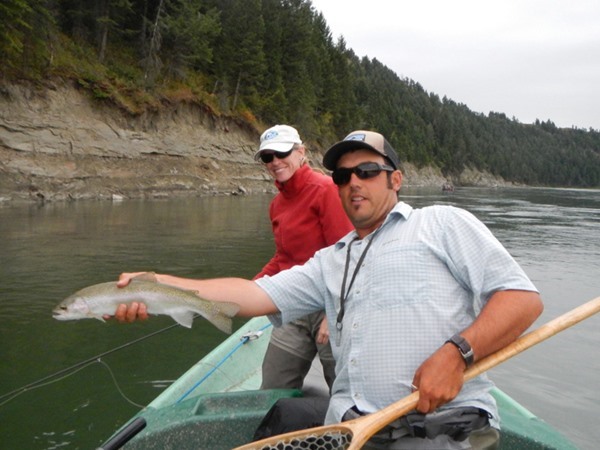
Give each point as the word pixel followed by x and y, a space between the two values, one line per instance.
pixel 464 348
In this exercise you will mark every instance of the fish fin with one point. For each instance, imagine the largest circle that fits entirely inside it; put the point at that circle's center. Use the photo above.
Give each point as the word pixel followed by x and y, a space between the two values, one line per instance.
pixel 146 276
pixel 183 317
pixel 100 318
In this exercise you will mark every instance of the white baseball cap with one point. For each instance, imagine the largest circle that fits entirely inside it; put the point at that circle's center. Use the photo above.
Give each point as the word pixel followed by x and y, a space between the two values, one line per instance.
pixel 280 138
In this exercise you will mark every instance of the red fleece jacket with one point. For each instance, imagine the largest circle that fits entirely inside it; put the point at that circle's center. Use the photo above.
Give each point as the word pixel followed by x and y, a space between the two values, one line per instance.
pixel 306 216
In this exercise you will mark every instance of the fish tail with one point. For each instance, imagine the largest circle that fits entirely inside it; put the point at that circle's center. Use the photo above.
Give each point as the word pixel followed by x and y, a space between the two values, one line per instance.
pixel 220 314
pixel 222 322
pixel 227 308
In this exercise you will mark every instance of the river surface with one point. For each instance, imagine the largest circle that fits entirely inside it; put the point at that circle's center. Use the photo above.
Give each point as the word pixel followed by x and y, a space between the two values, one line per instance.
pixel 63 386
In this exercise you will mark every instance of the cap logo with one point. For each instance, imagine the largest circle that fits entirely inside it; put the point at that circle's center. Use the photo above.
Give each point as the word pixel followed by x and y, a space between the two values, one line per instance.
pixel 270 135
pixel 356 137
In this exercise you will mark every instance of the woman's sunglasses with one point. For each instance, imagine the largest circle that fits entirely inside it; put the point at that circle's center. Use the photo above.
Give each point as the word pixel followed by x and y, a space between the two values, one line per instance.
pixel 363 171
pixel 268 157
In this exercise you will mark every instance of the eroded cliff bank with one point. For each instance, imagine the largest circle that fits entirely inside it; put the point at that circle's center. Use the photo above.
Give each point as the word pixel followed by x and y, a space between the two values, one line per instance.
pixel 58 144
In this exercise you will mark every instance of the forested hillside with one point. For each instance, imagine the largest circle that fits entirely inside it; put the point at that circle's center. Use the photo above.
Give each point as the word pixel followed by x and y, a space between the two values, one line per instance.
pixel 275 61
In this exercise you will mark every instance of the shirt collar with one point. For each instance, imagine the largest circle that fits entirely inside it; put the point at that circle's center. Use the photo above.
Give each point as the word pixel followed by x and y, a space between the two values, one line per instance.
pixel 402 209
pixel 399 211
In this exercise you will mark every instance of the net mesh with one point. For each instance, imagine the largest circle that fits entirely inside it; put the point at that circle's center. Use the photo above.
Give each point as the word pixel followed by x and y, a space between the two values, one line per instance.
pixel 334 440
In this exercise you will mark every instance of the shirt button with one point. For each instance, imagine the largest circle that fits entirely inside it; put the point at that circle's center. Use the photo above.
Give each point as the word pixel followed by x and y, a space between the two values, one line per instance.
pixel 355 325
pixel 357 396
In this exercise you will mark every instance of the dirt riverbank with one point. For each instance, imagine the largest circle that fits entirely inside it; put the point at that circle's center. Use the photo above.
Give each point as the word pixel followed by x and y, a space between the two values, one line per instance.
pixel 58 144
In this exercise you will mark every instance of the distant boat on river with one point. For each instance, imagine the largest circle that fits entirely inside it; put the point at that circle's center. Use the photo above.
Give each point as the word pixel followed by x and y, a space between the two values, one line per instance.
pixel 448 187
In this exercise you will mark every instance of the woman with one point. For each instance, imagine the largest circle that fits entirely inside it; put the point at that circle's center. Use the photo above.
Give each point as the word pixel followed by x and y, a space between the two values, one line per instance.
pixel 306 215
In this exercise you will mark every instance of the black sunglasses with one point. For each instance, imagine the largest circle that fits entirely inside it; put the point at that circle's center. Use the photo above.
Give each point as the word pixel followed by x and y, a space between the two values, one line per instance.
pixel 268 157
pixel 363 171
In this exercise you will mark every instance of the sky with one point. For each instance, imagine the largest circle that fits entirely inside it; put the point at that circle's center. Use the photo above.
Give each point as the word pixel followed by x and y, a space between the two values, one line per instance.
pixel 528 59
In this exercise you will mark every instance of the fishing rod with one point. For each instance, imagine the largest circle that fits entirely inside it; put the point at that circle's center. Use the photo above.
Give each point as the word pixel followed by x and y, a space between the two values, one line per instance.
pixel 244 339
pixel 78 366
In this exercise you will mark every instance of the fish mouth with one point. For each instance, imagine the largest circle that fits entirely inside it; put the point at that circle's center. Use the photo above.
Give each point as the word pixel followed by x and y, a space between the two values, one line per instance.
pixel 59 314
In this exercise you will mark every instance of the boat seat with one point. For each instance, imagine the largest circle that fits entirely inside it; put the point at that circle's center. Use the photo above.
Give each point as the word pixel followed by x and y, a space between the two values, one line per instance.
pixel 216 421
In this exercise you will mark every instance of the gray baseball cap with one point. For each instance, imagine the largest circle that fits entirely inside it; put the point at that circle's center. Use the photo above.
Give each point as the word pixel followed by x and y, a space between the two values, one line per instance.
pixel 361 139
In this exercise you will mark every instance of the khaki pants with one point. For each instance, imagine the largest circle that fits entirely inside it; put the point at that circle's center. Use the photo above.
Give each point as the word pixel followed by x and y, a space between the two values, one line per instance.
pixel 291 351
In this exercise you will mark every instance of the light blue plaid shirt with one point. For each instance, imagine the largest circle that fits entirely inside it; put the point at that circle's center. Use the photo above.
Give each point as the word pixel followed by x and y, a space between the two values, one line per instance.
pixel 426 276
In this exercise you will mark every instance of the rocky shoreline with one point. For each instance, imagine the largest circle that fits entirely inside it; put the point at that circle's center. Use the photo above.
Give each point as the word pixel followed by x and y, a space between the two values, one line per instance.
pixel 57 144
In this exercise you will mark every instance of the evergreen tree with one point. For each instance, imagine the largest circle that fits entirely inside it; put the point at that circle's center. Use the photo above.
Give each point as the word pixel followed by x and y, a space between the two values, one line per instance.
pixel 275 60
pixel 25 35
pixel 189 30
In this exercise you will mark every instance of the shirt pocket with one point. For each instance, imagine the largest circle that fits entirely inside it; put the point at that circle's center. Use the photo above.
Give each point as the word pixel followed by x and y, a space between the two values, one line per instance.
pixel 404 274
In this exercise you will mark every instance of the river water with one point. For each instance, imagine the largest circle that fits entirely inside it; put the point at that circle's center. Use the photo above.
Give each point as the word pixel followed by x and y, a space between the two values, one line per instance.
pixel 62 386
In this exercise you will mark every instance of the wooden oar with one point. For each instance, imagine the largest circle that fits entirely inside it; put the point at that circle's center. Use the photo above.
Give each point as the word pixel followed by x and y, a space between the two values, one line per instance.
pixel 352 435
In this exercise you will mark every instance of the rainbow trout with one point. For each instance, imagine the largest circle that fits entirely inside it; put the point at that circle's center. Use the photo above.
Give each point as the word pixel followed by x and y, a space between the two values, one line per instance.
pixel 182 305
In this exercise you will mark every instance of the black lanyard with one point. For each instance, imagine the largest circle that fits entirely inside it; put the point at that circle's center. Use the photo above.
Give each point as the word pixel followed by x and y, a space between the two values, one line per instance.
pixel 345 293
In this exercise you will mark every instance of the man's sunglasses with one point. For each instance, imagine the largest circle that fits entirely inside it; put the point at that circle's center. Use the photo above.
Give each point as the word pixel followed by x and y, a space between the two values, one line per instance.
pixel 363 171
pixel 268 157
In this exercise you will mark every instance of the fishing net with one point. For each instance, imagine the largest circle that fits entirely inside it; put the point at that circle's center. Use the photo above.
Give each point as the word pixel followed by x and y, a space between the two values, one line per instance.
pixel 332 440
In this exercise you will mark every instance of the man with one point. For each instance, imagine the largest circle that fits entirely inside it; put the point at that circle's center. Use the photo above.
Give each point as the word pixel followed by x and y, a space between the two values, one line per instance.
pixel 413 297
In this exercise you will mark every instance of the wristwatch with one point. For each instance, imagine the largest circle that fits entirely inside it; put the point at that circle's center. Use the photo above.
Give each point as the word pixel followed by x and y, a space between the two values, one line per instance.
pixel 463 347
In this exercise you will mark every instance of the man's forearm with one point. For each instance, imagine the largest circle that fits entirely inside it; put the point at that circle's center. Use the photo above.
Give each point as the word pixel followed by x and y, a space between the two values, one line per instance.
pixel 252 299
pixel 504 318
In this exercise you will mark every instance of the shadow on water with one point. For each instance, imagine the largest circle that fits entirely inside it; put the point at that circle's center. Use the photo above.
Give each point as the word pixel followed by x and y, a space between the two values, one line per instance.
pixel 49 252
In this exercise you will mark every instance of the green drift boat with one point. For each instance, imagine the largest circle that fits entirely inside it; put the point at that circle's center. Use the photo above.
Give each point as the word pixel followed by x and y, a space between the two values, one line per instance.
pixel 217 404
